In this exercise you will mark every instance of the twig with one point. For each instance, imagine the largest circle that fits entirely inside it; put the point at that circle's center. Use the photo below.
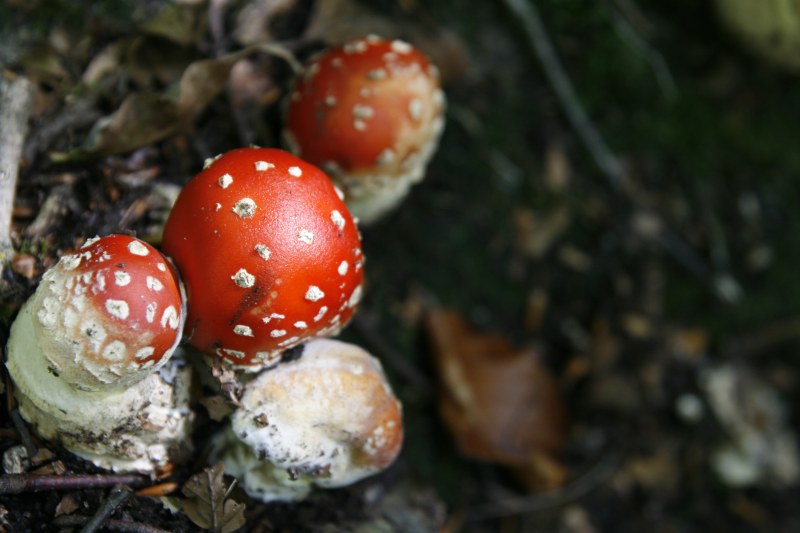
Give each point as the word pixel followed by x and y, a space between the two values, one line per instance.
pixel 664 77
pixel 365 326
pixel 16 98
pixel 533 503
pixel 78 114
pixel 18 483
pixel 724 287
pixel 609 164
pixel 117 496
pixel 24 434
pixel 763 339
pixel 52 211
pixel 110 524
pixel 216 25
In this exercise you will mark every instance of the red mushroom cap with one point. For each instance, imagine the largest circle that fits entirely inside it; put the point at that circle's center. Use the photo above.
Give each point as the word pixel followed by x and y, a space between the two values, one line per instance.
pixel 269 254
pixel 109 313
pixel 369 112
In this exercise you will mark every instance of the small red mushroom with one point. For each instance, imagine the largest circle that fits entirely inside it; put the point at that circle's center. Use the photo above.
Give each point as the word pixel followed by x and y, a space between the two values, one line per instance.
pixel 269 254
pixel 107 314
pixel 370 113
pixel 91 357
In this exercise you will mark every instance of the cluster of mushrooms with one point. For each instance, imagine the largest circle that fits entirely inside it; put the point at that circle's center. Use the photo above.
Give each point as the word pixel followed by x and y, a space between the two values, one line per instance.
pixel 260 264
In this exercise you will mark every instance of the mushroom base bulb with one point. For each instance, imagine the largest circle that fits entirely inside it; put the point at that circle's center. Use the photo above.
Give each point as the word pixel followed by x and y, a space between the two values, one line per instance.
pixel 137 429
pixel 327 419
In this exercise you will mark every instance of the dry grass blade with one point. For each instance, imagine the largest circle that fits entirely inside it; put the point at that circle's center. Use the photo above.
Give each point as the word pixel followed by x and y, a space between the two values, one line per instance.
pixel 16 97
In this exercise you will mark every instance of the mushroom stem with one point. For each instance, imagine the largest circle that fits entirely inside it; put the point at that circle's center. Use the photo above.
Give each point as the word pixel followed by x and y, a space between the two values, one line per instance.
pixel 16 97
pixel 88 423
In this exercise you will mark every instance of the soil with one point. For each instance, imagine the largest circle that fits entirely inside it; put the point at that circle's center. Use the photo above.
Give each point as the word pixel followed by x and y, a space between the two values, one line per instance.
pixel 661 299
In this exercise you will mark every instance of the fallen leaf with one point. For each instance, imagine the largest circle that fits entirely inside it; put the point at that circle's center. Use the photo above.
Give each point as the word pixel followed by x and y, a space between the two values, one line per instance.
pixel 180 23
pixel 24 265
pixel 557 171
pixel 501 404
pixel 218 407
pixel 144 118
pixel 67 505
pixel 536 233
pixel 141 119
pixel 207 503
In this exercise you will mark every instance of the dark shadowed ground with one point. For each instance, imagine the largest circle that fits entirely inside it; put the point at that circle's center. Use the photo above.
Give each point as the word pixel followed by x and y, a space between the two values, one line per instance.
pixel 629 333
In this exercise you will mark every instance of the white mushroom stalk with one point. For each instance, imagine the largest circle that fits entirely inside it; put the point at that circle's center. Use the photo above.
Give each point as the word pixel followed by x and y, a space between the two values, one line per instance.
pixel 89 354
pixel 327 419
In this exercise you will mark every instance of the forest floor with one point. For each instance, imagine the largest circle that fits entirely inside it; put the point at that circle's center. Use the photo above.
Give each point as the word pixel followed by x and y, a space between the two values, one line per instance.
pixel 620 292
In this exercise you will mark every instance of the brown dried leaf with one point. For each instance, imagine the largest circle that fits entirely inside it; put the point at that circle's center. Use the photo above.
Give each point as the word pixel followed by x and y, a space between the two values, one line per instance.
pixel 143 118
pixel 229 384
pixel 24 265
pixel 218 407
pixel 254 20
pixel 501 404
pixel 557 169
pixel 67 505
pixel 538 232
pixel 207 503
pixel 180 23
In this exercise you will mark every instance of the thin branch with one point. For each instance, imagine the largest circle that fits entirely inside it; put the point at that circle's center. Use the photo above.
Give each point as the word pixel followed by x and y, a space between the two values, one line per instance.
pixel 593 478
pixel 18 483
pixel 110 524
pixel 763 339
pixel 117 496
pixel 16 99
pixel 606 160
pixel 658 64
pixel 723 285
pixel 365 325
pixel 24 434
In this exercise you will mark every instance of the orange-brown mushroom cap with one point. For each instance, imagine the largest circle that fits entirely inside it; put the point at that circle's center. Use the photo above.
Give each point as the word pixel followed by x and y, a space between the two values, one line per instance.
pixel 326 419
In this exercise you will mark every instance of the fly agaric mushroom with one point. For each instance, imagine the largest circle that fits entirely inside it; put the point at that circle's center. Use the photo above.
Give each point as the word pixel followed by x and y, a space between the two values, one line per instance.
pixel 370 113
pixel 269 254
pixel 326 419
pixel 87 355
